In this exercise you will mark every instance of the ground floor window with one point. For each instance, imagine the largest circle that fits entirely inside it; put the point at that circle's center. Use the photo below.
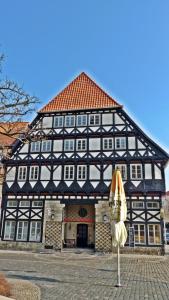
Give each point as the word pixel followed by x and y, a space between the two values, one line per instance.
pixel 154 234
pixel 35 231
pixel 22 230
pixel 139 233
pixel 9 230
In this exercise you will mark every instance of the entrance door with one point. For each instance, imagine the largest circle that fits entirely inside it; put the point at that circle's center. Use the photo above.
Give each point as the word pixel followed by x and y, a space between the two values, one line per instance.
pixel 82 234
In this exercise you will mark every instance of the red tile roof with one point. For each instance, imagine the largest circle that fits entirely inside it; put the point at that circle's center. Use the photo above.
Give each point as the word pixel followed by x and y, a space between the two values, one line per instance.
pixel 14 129
pixel 81 93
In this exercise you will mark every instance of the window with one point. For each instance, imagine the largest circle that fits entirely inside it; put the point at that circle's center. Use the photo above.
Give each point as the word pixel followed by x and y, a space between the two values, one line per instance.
pixel 139 233
pixel 136 171
pixel 108 144
pixel 22 230
pixel 11 203
pixel 94 119
pixel 22 172
pixel 69 172
pixel 81 120
pixel 81 144
pixel 46 146
pixel 35 231
pixel 68 145
pixel 120 143
pixel 81 172
pixel 35 146
pixel 123 170
pixel 34 172
pixel 58 121
pixel 138 204
pixel 9 230
pixel 152 204
pixel 154 235
pixel 24 203
pixel 37 204
pixel 69 121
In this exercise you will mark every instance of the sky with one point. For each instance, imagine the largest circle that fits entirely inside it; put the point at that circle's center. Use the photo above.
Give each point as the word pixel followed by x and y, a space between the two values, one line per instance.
pixel 122 44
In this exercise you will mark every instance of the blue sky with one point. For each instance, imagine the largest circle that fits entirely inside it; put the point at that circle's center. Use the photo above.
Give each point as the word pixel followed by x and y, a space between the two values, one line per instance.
pixel 122 44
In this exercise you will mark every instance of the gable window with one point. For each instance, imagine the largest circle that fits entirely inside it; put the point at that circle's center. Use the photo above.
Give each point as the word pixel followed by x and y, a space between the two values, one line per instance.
pixel 108 144
pixel 81 120
pixel 68 145
pixel 35 231
pixel 24 203
pixel 139 233
pixel 68 172
pixel 34 172
pixel 58 121
pixel 46 145
pixel 94 119
pixel 22 230
pixel 35 146
pixel 22 172
pixel 123 170
pixel 136 171
pixel 152 205
pixel 81 172
pixel 69 121
pixel 9 230
pixel 81 144
pixel 120 143
pixel 154 235
pixel 138 204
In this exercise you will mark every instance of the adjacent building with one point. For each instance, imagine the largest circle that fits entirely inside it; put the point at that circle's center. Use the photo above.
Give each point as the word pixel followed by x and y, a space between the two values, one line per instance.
pixel 57 186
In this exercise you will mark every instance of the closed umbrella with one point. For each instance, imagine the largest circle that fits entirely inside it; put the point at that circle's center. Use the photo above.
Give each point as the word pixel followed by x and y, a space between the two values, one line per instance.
pixel 118 214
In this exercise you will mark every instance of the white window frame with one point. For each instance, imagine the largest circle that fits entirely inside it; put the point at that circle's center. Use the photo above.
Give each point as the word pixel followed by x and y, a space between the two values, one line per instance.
pixel 37 203
pixel 81 120
pixel 69 121
pixel 68 172
pixel 96 119
pixel 81 172
pixel 157 205
pixel 34 173
pixel 22 173
pixel 9 232
pixel 46 146
pixel 69 145
pixel 22 230
pixel 123 170
pixel 58 121
pixel 12 203
pixel 139 230
pixel 120 143
pixel 35 146
pixel 81 144
pixel 137 204
pixel 35 231
pixel 108 144
pixel 136 177
pixel 154 236
pixel 24 203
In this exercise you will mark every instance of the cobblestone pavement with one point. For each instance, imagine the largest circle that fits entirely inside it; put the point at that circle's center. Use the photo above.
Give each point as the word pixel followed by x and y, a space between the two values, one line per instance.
pixel 90 276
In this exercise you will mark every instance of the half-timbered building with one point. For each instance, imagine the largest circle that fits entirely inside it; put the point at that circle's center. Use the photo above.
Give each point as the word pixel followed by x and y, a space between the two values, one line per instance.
pixel 57 186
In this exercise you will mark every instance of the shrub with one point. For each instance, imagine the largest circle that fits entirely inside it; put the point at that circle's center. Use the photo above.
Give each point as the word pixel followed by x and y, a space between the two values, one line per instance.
pixel 4 286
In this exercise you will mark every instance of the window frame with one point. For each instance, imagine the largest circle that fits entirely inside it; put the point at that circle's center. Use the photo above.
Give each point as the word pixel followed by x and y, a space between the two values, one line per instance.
pixel 81 141
pixel 35 146
pixel 36 229
pixel 68 121
pixel 12 201
pixel 37 206
pixel 69 167
pixel 21 173
pixel 139 236
pixel 136 172
pixel 82 172
pixel 59 123
pixel 26 204
pixel 138 202
pixel 120 166
pixel 107 147
pixel 46 142
pixel 154 235
pixel 121 140
pixel 67 142
pixel 24 234
pixel 32 173
pixel 95 116
pixel 11 233
pixel 81 123
pixel 153 202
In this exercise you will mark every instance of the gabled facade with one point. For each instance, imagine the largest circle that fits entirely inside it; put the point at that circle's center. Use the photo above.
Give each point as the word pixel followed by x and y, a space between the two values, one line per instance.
pixel 57 187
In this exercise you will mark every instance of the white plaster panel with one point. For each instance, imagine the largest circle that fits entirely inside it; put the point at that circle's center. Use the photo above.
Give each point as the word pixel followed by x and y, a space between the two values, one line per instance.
pixel 107 119
pixel 45 173
pixel 94 144
pixel 10 176
pixel 131 142
pixel 57 173
pixel 118 120
pixel 94 173
pixel 24 148
pixel 140 145
pixel 148 171
pixel 57 146
pixel 47 122
pixel 108 173
pixel 157 172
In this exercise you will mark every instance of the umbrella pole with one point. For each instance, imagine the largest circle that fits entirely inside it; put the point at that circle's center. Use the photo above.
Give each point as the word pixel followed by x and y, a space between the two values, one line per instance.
pixel 118 266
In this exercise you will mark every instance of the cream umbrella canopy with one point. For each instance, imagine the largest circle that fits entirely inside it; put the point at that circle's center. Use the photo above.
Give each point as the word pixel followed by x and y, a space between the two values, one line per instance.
pixel 118 214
